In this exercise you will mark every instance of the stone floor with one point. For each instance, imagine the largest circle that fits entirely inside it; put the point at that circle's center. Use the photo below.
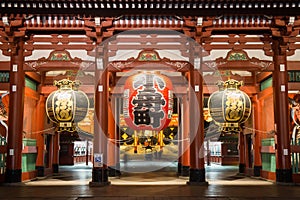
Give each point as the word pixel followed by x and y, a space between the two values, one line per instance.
pixel 223 183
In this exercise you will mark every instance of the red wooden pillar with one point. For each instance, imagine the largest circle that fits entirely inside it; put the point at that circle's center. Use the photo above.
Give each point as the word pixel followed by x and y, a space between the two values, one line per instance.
pixel 242 152
pixel 117 119
pixel 185 135
pixel 281 114
pixel 115 104
pixel 197 168
pixel 55 163
pixel 100 170
pixel 257 138
pixel 111 154
pixel 179 133
pixel 15 120
pixel 40 125
pixel 87 153
pixel 179 160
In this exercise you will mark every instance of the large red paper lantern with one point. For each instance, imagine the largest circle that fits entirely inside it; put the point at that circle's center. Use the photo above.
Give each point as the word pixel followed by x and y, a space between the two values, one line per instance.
pixel 148 101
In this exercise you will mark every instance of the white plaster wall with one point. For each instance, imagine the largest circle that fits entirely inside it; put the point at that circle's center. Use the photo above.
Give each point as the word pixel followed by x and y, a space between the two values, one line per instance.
pixel 295 57
pixel 2 57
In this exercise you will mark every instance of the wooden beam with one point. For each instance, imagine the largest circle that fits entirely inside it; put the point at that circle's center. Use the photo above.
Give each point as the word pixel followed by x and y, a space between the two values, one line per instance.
pixel 4 86
pixel 212 80
pixel 156 7
pixel 250 90
pixel 265 93
pixel 293 65
pixel 58 66
pixel 294 86
pixel 88 89
pixel 59 47
pixel 35 76
pixel 262 76
pixel 5 65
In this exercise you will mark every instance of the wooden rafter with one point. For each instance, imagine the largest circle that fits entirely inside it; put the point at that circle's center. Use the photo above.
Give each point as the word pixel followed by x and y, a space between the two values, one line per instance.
pixel 180 7
pixel 201 31
pixel 230 30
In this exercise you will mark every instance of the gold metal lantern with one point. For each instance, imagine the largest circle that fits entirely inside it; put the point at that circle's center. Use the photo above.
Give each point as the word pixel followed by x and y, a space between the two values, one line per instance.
pixel 67 105
pixel 229 107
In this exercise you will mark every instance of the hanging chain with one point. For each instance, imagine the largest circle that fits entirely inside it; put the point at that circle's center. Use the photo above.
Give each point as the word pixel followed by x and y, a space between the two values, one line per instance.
pixel 121 141
pixel 48 129
pixel 272 132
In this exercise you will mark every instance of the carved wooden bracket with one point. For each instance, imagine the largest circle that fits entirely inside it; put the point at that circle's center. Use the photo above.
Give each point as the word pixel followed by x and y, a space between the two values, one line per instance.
pixel 149 59
pixel 58 60
pixel 237 60
pixel 10 34
pixel 99 31
pixel 286 31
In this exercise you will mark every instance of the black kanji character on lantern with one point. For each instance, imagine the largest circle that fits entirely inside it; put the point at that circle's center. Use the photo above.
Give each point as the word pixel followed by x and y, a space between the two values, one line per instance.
pixel 148 102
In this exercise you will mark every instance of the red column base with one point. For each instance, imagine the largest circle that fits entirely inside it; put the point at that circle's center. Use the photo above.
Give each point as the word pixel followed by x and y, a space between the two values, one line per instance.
pixel 183 170
pixel 257 170
pixel 55 168
pixel 242 168
pixel 284 176
pixel 13 176
pixel 99 177
pixel 197 177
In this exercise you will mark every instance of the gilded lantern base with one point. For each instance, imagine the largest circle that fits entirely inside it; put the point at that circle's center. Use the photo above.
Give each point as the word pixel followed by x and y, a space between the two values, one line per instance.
pixel 229 127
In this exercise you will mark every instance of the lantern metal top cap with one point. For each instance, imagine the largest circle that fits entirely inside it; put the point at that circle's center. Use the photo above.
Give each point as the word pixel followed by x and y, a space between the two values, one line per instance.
pixel 231 83
pixel 66 83
pixel 220 84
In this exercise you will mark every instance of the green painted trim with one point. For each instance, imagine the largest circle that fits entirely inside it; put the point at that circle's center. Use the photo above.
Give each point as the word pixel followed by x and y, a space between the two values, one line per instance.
pixel 31 83
pixel 28 159
pixel 237 56
pixel 294 76
pixel 266 83
pixel 4 77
